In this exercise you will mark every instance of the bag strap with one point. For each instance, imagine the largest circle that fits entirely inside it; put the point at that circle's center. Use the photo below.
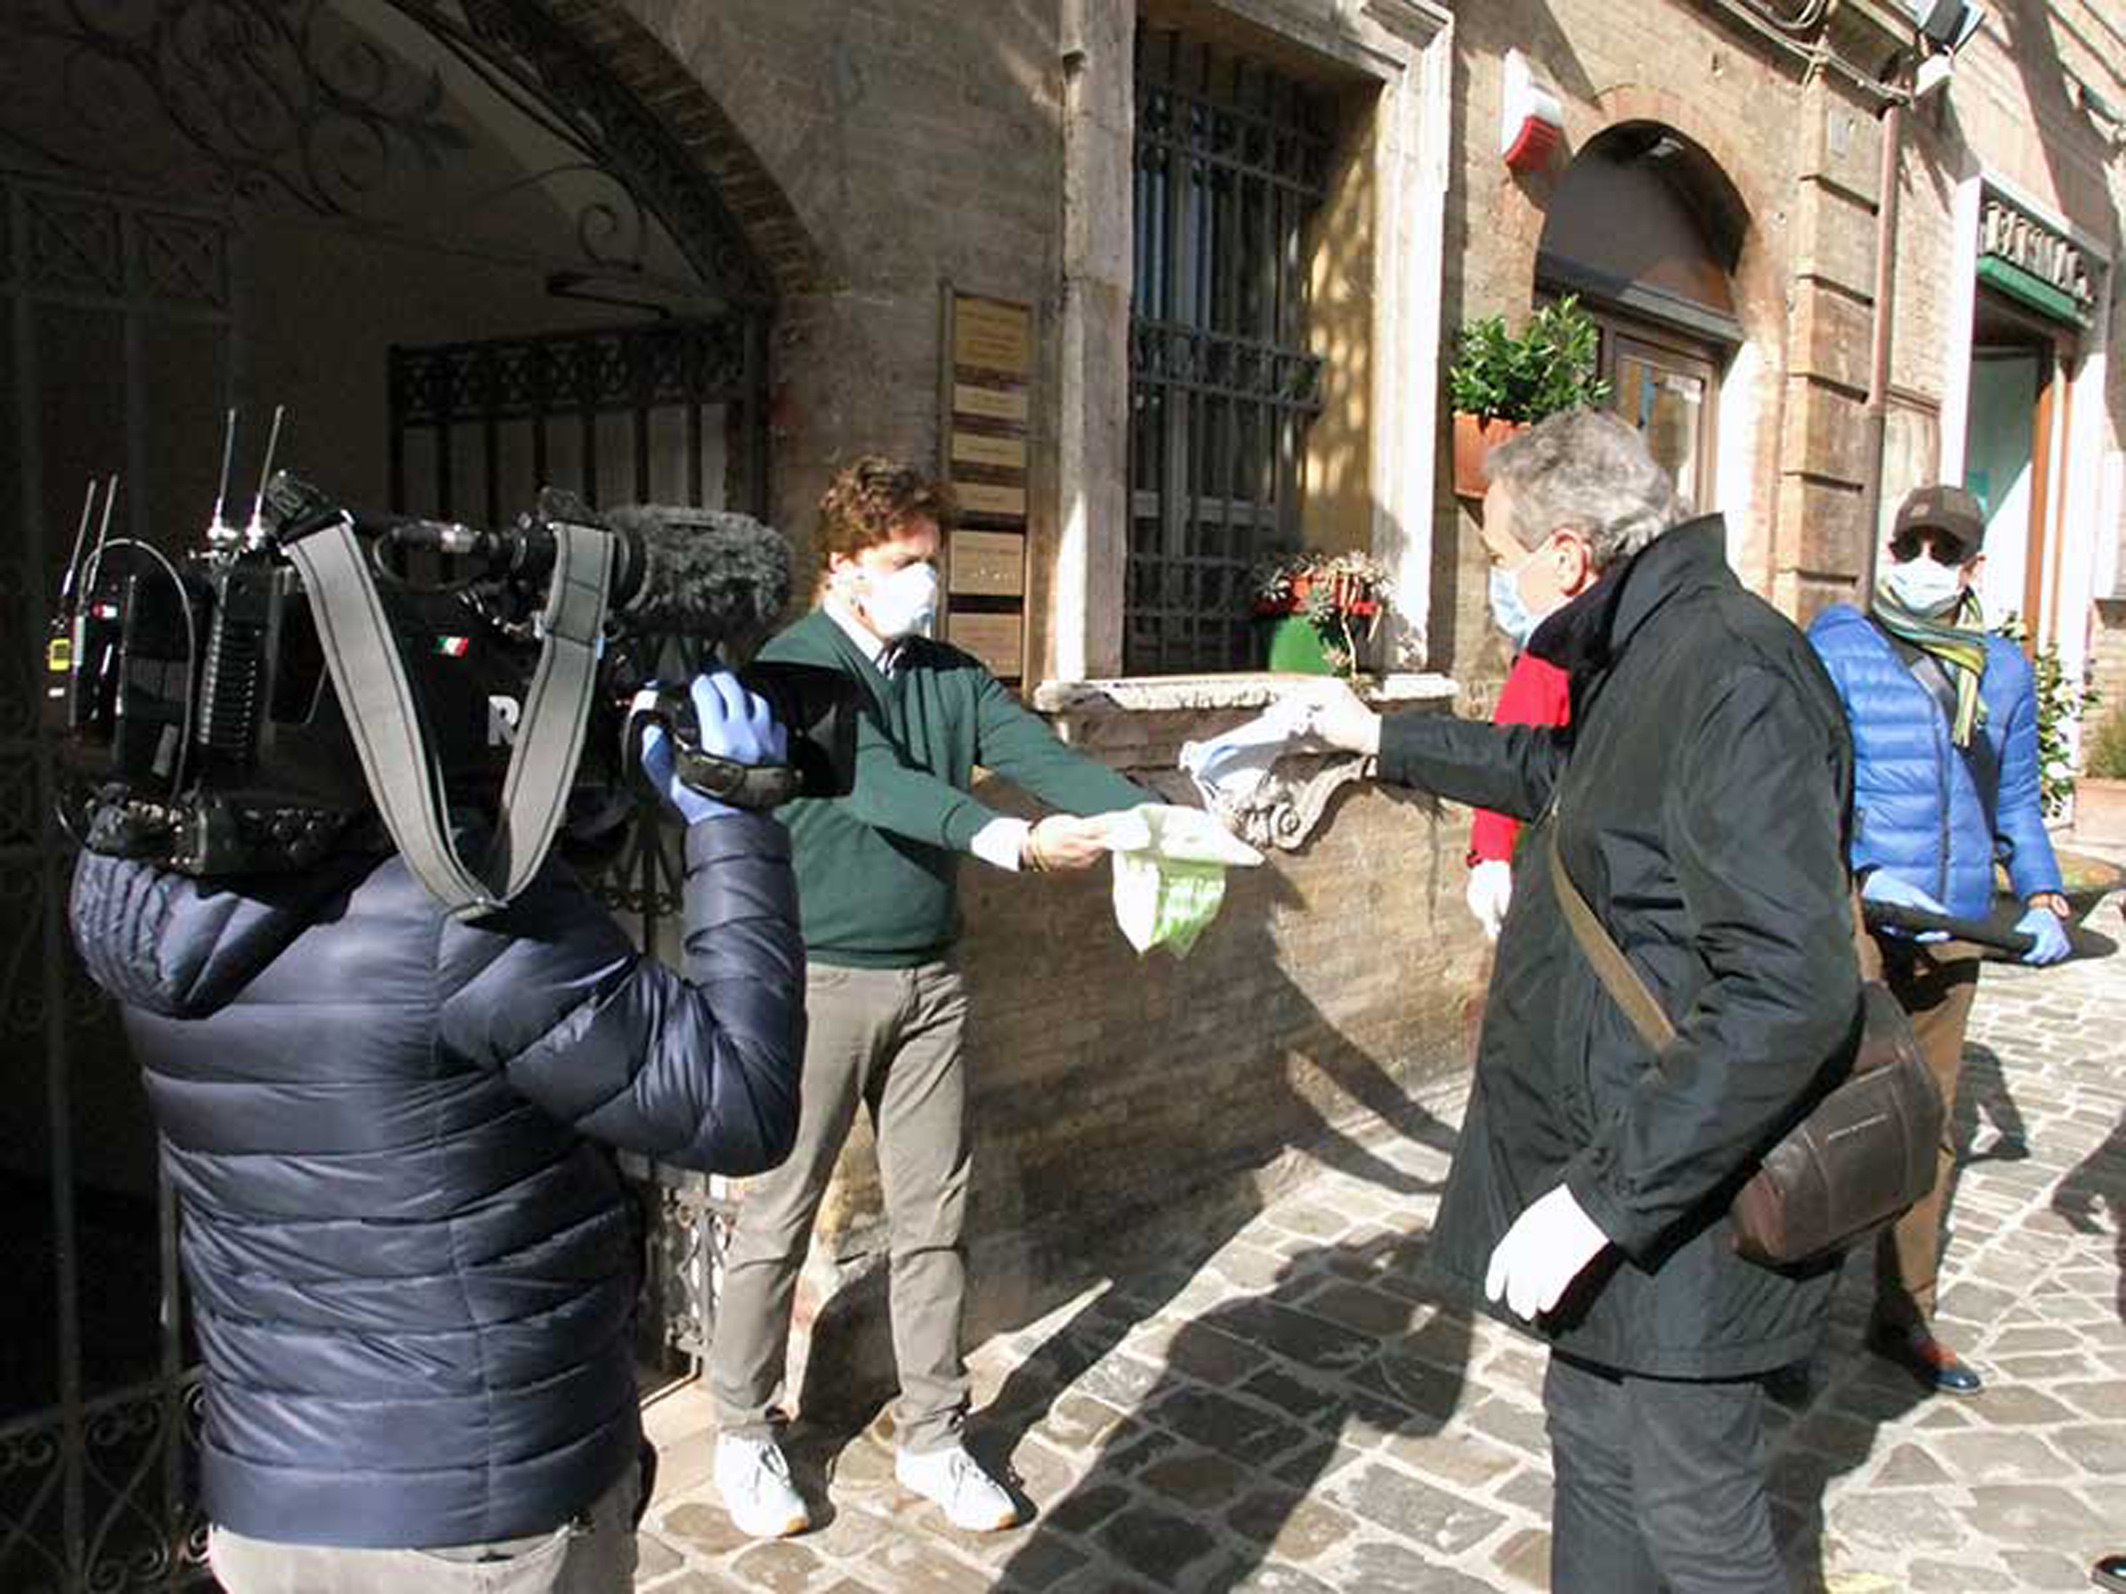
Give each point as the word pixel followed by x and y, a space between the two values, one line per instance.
pixel 1618 977
pixel 404 771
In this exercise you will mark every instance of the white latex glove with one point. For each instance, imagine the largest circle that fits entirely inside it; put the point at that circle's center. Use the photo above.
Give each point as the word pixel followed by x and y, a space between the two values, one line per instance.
pixel 1548 1247
pixel 1490 890
pixel 1330 710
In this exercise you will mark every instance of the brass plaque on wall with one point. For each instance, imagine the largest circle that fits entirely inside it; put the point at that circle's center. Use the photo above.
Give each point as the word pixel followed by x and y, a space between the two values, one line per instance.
pixel 979 448
pixel 996 639
pixel 992 335
pixel 989 403
pixel 989 563
pixel 985 395
pixel 987 498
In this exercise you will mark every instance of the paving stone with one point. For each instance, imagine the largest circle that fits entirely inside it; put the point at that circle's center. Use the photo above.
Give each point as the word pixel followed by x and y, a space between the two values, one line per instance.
pixel 909 1564
pixel 654 1558
pixel 1385 1568
pixel 1155 1544
pixel 2093 1448
pixel 1991 1457
pixel 1274 1577
pixel 1290 1525
pixel 1955 1577
pixel 1212 1355
pixel 2100 1398
pixel 702 1529
pixel 1085 1508
pixel 1199 1479
pixel 2033 1514
pixel 1355 1306
pixel 1910 1467
pixel 1418 1511
pixel 1524 1559
pixel 1891 1523
pixel 781 1567
pixel 1042 1562
pixel 2042 1569
pixel 1236 1427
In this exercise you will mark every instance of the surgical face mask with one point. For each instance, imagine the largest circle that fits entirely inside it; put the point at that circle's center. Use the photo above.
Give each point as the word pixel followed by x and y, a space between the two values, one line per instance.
pixel 1509 610
pixel 1923 586
pixel 903 602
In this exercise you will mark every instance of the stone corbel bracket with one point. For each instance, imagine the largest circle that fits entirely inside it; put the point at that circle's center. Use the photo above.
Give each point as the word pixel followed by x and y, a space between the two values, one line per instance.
pixel 1288 802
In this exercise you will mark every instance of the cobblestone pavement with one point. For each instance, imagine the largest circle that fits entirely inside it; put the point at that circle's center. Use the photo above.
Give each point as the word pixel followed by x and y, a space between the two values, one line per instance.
pixel 1289 1414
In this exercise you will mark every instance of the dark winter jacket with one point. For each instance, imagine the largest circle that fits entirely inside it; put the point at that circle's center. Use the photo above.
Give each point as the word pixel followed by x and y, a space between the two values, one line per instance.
pixel 1701 791
pixel 1924 810
pixel 411 1257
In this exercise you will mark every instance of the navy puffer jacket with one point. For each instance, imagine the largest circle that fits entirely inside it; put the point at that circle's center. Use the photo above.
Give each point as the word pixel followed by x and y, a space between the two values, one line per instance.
pixel 1919 811
pixel 410 1252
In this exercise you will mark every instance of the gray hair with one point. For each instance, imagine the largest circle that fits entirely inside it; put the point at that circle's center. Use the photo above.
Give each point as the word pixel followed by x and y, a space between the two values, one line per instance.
pixel 1585 471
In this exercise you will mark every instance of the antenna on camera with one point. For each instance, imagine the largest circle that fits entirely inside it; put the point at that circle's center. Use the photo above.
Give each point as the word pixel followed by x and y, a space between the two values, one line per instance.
pixel 219 532
pixel 255 534
pixel 103 530
pixel 81 536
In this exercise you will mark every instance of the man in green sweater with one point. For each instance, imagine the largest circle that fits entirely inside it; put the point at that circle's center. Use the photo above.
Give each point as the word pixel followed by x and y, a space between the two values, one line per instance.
pixel 876 875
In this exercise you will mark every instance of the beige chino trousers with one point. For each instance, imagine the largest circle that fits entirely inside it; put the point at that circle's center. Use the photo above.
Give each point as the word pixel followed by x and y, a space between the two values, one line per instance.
pixel 891 1040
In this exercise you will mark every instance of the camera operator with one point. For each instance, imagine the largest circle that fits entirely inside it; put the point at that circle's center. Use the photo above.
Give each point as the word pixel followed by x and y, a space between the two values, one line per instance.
pixel 411 1257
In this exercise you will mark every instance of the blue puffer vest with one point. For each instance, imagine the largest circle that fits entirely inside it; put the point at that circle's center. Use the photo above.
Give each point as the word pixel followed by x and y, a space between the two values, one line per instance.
pixel 411 1257
pixel 1919 811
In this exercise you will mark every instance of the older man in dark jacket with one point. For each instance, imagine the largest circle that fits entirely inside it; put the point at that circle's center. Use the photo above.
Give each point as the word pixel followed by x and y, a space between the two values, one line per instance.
pixel 411 1256
pixel 1698 802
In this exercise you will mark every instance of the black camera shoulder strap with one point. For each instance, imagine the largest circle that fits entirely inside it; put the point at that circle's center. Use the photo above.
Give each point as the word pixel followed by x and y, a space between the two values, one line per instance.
pixel 405 774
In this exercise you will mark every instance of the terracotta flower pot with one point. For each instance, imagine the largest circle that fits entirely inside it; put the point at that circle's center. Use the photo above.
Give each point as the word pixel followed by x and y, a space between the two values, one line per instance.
pixel 1473 440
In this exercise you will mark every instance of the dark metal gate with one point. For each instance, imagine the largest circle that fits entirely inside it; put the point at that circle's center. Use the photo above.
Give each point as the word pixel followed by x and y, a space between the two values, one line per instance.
pixel 672 411
pixel 105 298
pixel 123 340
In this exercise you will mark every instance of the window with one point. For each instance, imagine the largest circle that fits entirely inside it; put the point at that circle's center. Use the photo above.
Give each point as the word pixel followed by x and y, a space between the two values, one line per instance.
pixel 1231 167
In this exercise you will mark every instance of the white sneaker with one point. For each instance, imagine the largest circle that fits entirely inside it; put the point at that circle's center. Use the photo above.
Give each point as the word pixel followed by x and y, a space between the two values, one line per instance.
pixel 972 1500
pixel 754 1480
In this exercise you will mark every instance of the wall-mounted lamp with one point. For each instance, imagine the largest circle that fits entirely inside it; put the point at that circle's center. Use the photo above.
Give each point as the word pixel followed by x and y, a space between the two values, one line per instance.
pixel 1532 123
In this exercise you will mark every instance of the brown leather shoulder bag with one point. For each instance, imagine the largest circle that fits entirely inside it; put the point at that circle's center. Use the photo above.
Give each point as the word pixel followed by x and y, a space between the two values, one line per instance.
pixel 1863 1154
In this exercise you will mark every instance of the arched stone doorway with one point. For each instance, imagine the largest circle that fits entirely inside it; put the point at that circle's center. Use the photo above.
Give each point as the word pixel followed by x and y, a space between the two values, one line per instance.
pixel 1647 230
pixel 454 241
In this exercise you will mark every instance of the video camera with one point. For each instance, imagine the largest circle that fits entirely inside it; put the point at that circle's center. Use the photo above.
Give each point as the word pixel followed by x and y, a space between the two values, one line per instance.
pixel 200 703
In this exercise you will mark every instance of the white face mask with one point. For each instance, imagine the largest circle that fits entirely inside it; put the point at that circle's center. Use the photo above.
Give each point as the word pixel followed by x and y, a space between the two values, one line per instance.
pixel 1509 610
pixel 903 602
pixel 1924 587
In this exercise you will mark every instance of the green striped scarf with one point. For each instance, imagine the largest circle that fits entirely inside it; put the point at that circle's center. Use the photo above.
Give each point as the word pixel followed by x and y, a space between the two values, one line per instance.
pixel 1958 639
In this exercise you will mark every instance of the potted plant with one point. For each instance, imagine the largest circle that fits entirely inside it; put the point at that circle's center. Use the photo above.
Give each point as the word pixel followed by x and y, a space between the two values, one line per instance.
pixel 1502 382
pixel 1317 608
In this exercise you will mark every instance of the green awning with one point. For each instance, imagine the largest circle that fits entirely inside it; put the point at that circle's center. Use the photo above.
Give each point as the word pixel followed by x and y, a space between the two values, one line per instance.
pixel 2028 288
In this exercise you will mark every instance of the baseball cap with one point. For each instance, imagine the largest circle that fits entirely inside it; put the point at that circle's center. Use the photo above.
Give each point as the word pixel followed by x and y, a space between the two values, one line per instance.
pixel 1943 508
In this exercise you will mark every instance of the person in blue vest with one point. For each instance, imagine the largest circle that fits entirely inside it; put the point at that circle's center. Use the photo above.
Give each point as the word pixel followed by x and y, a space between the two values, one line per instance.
pixel 1944 720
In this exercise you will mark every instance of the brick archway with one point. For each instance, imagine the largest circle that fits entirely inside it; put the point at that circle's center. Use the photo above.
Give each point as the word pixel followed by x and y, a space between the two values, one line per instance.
pixel 698 139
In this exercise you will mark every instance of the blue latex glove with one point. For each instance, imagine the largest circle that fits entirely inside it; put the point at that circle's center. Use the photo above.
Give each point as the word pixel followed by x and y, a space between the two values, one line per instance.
pixel 2051 935
pixel 734 724
pixel 1882 886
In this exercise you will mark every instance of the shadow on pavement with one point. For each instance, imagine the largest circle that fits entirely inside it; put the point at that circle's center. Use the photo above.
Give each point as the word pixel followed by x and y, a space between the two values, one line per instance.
pixel 1262 1397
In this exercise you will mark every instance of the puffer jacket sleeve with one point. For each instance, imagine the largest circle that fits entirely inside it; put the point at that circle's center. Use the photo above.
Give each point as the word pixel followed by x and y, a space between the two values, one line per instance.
pixel 699 1070
pixel 2019 812
pixel 1754 823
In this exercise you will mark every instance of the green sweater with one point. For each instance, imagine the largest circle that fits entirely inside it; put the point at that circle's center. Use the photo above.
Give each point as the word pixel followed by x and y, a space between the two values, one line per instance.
pixel 878 870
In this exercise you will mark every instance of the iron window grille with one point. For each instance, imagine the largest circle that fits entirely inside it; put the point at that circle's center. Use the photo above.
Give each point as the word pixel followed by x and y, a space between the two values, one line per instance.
pixel 1231 168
